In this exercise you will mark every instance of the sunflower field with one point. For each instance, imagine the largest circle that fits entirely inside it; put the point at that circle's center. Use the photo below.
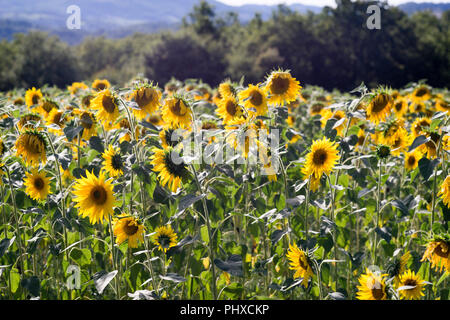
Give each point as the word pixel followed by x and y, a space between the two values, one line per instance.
pixel 276 190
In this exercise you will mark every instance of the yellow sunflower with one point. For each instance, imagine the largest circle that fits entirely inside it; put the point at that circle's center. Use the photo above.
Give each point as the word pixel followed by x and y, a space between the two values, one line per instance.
pixel 45 107
pixel 165 238
pixel 76 87
pixel 442 105
pixel 106 107
pixel 398 266
pixel 400 142
pixel 86 101
pixel 128 228
pixel 33 97
pixel 170 137
pixel 372 286
pixel 420 94
pixel 327 114
pixel 156 119
pixel 444 191
pixel 113 162
pixel 170 167
pixel 31 146
pixel 147 98
pixel 412 159
pixel 88 122
pixel 411 286
pixel 94 197
pixel 100 85
pixel 316 108
pixel 321 159
pixel 55 117
pixel 400 107
pixel 226 89
pixel 438 254
pixel 37 185
pixel 254 100
pixel 419 125
pixel 299 262
pixel 176 112
pixel 229 110
pixel 28 121
pixel 282 87
pixel 379 107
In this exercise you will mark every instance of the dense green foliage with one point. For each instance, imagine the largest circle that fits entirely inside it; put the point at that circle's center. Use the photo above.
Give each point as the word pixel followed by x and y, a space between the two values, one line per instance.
pixel 333 49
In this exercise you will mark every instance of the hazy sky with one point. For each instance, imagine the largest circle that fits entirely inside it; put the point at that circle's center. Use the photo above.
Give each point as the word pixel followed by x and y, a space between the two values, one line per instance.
pixel 315 2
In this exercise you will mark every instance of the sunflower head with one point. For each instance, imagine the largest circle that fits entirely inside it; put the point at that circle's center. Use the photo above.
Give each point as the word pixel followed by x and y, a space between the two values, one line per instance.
pixel 420 94
pixel 128 228
pixel 300 262
pixel 254 100
pixel 379 107
pixel 28 121
pixel 397 266
pixel 321 159
pixel 229 110
pixel 113 162
pixel 106 106
pixel 282 87
pixel 37 185
pixel 46 106
pixel 438 254
pixel 94 197
pixel 172 170
pixel 411 286
pixel 147 98
pixel 100 85
pixel 226 89
pixel 55 117
pixel 31 146
pixel 77 87
pixel 372 286
pixel 33 97
pixel 176 112
pixel 88 122
pixel 383 151
pixel 165 238
pixel 412 159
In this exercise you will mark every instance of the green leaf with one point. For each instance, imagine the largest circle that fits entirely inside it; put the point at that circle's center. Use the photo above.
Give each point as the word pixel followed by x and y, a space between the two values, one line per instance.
pixel 234 290
pixel 102 279
pixel 81 256
pixel 14 277
pixel 5 244
pixel 32 284
pixel 420 140
pixel 426 167
pixel 96 144
pixel 71 132
pixel 173 277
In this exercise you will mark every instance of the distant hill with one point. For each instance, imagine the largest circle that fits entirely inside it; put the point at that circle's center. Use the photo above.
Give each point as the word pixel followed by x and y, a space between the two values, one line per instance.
pixel 436 8
pixel 115 18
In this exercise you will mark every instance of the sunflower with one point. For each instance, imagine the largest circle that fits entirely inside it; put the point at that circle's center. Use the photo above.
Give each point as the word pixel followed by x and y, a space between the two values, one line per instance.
pixel 399 142
pixel 411 286
pixel 170 167
pixel 94 197
pixel 26 121
pixel 113 162
pixel 33 97
pixel 88 122
pixel 226 89
pixel 400 107
pixel 327 114
pixel 170 137
pixel 430 147
pixel 438 254
pixel 254 100
pixel 419 125
pixel 165 238
pixel 55 118
pixel 2 147
pixel 147 99
pixel 444 191
pixel 398 266
pixel 100 85
pixel 372 286
pixel 176 112
pixel 45 107
pixel 361 139
pixel 282 87
pixel 316 108
pixel 156 119
pixel 37 185
pixel 128 228
pixel 299 262
pixel 105 103
pixel 420 94
pixel 86 101
pixel 379 107
pixel 412 159
pixel 31 146
pixel 321 159
pixel 442 105
pixel 76 87
pixel 229 110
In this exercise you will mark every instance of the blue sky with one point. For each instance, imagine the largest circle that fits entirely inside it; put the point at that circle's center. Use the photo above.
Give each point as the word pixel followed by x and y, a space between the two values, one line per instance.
pixel 315 2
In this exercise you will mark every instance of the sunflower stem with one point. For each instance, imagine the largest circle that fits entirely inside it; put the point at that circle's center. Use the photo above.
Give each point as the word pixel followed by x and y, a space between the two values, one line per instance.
pixel 374 245
pixel 308 190
pixel 114 262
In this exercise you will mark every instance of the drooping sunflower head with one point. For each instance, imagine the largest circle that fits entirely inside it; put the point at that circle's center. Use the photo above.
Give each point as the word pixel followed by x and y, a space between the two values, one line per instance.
pixel 172 86
pixel 316 108
pixel 86 101
pixel 443 105
pixel 31 146
pixel 106 106
pixel 229 110
pixel 411 286
pixel 113 162
pixel 438 254
pixel 46 106
pixel 100 85
pixel 444 191
pixel 128 228
pixel 33 97
pixel 254 100
pixel 176 112
pixel 372 286
pixel 77 87
pixel 172 170
pixel 94 197
pixel 156 119
pixel 37 185
pixel 420 94
pixel 165 238
pixel 430 147
pixel 321 159
pixel 299 261
pixel 282 87
pixel 88 122
pixel 147 98
pixel 28 121
pixel 328 114
pixel 379 107
pixel 55 117
pixel 412 159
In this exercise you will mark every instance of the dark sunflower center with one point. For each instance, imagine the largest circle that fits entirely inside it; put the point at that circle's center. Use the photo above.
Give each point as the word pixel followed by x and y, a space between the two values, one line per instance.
pixel 317 107
pixel 411 160
pixel 377 291
pixel 177 108
pixel 130 228
pixel 421 92
pixel 257 98
pixel 154 119
pixel 175 169
pixel 319 157
pixel 35 99
pixel 231 108
pixel 99 195
pixel 442 250
pixel 164 241
pixel 39 183
pixel 116 162
pixel 279 85
pixel 144 97
pixel 380 102
pixel 361 140
pixel 86 121
pixel 169 140
pixel 86 101
pixel 100 86
pixel 47 106
pixel 302 263
pixel 410 282
pixel 57 118
pixel 108 104
pixel 398 106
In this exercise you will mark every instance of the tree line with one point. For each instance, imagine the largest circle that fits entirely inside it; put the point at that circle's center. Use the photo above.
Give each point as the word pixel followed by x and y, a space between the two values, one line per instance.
pixel 332 49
